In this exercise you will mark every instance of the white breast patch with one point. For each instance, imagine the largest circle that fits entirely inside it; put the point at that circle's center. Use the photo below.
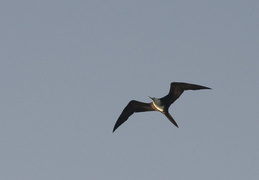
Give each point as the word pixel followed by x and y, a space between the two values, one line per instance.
pixel 158 106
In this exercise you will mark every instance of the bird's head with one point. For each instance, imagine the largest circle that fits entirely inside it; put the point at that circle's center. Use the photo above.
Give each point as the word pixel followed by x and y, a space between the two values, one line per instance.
pixel 152 98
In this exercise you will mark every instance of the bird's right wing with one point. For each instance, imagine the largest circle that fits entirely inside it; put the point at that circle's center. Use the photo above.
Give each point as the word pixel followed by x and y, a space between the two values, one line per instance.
pixel 177 88
pixel 133 106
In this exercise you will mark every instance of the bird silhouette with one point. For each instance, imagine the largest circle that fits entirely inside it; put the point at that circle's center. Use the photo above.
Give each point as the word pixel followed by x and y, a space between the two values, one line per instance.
pixel 158 104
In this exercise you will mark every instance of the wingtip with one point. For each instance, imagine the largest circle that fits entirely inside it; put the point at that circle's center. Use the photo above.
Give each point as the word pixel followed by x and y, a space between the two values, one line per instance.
pixel 114 129
pixel 207 87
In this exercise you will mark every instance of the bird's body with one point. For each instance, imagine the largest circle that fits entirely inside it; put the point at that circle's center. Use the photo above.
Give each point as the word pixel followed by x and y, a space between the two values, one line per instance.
pixel 158 104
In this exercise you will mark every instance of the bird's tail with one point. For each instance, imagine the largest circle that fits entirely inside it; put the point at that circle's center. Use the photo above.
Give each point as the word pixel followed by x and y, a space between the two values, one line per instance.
pixel 171 119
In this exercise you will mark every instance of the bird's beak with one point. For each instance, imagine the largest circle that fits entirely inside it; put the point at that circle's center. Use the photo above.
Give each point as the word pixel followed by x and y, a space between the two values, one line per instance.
pixel 150 97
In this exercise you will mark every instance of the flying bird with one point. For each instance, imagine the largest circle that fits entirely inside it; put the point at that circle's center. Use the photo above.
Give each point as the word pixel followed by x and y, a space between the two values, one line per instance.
pixel 158 104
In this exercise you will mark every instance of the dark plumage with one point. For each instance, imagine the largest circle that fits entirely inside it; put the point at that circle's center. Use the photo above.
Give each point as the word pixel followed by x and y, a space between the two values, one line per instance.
pixel 161 105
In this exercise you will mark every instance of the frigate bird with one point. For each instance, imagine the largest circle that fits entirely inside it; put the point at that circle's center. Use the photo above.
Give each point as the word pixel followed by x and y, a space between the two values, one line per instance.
pixel 158 104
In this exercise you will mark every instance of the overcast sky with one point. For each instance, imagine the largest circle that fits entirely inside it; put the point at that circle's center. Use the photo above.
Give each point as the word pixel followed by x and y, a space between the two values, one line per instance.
pixel 68 68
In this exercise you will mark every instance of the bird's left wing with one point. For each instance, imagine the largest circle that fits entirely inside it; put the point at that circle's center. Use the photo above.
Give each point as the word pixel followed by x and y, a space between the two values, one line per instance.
pixel 133 106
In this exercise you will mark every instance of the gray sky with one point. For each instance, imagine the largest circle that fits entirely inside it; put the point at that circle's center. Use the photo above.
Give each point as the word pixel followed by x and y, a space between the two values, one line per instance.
pixel 68 68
